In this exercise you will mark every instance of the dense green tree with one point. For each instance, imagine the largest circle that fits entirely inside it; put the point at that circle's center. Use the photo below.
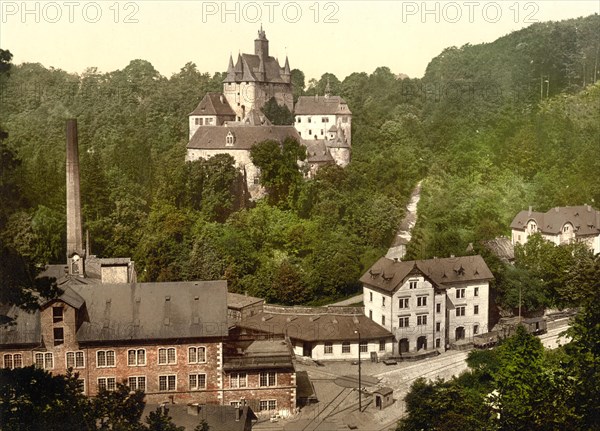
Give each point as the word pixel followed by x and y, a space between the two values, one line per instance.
pixel 278 115
pixel 159 420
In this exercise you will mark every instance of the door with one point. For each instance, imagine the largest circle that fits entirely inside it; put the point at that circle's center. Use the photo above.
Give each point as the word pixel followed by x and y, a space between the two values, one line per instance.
pixel 403 345
pixel 307 350
pixel 422 343
pixel 460 333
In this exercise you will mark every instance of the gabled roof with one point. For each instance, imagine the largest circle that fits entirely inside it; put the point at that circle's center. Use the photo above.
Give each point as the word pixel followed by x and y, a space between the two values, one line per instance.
pixel 257 354
pixel 321 105
pixel 213 104
pixel 316 151
pixel 218 418
pixel 248 66
pixel 141 311
pixel 584 218
pixel 238 301
pixel 316 326
pixel 214 137
pixel 389 275
pixel 69 296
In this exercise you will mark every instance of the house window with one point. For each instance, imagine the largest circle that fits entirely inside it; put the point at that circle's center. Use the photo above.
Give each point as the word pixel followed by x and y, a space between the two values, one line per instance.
pixel 346 347
pixel 59 336
pixel 197 381
pixel 344 119
pixel 167 383
pixel 460 293
pixel 44 360
pixel 371 296
pixel 198 121
pixel 299 119
pixel 422 320
pixel 267 405
pixel 137 383
pixel 438 326
pixel 309 119
pixel 382 345
pixel 421 301
pixel 13 360
pixel 364 347
pixel 412 284
pixel 383 320
pixel 238 380
pixel 105 358
pixel 328 348
pixel 75 360
pixel 371 314
pixel 475 329
pixel 136 357
pixel 438 308
pixel 476 309
pixel 403 322
pixel 403 303
pixel 57 314
pixel 235 404
pixel 460 311
pixel 383 301
pixel 166 356
pixel 310 131
pixel 107 383
pixel 197 355
pixel 476 291
pixel 268 378
pixel 209 121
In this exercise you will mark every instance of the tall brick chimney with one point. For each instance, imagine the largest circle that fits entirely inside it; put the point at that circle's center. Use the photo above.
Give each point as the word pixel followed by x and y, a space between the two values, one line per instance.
pixel 75 250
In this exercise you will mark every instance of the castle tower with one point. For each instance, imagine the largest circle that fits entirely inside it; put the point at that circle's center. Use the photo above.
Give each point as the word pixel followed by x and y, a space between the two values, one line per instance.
pixel 261 45
pixel 75 250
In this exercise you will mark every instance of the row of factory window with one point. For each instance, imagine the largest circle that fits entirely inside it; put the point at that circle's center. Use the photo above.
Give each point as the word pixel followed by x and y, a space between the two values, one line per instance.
pixel 240 379
pixel 165 383
pixel 107 358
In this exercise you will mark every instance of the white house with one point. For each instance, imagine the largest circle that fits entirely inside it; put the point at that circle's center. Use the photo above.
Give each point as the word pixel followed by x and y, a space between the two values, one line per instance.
pixel 560 225
pixel 428 304
pixel 326 119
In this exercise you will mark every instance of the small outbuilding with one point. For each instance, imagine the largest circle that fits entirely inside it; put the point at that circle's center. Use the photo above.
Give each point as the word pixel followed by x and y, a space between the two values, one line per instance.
pixel 383 397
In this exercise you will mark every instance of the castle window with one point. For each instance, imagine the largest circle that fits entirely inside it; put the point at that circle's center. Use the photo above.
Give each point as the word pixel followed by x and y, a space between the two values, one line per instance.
pixel 267 405
pixel 403 303
pixel 403 322
pixel 412 284
pixel 299 119
pixel 476 309
pixel 476 291
pixel 460 311
pixel 310 131
pixel 363 347
pixel 229 139
pixel 422 320
pixel 383 320
pixel 421 301
pixel 309 119
pixel 438 326
pixel 198 121
pixel 328 348
pixel 346 347
pixel 382 345
pixel 460 293
pixel 438 308
pixel 13 361
pixel 344 119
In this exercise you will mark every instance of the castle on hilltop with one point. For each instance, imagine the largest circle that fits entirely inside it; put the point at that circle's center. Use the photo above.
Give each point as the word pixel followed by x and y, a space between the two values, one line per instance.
pixel 232 122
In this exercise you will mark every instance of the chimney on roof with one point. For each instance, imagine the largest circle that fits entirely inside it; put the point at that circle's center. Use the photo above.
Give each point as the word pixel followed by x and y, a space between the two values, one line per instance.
pixel 589 208
pixel 75 251
pixel 222 98
pixel 395 259
pixel 556 209
pixel 530 209
pixel 238 412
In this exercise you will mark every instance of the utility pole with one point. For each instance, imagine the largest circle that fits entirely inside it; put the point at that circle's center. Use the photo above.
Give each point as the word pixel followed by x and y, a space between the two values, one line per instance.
pixel 359 374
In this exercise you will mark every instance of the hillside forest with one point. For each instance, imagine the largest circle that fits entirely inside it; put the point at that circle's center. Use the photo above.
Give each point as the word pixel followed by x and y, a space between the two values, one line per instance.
pixel 490 129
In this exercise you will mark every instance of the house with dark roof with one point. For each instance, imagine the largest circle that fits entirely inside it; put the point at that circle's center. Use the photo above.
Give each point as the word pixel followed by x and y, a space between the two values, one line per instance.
pixel 237 139
pixel 560 225
pixel 428 304
pixel 322 333
pixel 328 119
pixel 213 110
pixel 218 418
pixel 169 340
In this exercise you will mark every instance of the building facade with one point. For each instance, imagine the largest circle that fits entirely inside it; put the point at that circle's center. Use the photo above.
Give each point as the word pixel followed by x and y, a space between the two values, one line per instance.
pixel 428 304
pixel 165 339
pixel 560 225
pixel 329 120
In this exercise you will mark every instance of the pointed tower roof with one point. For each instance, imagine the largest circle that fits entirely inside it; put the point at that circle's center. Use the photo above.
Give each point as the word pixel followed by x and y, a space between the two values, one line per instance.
pixel 286 67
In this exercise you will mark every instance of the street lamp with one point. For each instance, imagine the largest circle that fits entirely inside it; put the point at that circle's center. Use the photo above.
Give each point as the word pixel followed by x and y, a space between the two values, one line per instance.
pixel 356 331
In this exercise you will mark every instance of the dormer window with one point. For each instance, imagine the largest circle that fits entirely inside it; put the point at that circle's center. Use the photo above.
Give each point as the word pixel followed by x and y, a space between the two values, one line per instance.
pixel 230 139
